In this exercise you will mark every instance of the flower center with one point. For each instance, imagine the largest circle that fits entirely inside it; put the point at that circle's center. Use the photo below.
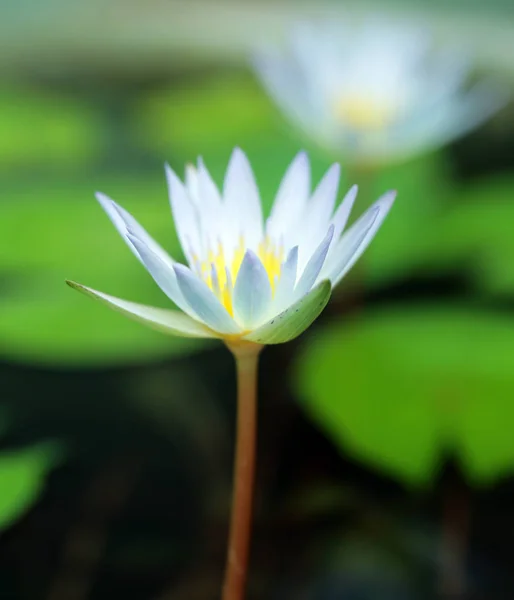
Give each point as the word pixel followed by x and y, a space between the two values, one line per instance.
pixel 361 112
pixel 220 271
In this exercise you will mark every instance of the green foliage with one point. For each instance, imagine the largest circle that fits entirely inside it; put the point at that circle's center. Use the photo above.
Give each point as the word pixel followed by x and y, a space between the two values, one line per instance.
pixel 402 388
pixel 478 230
pixel 406 241
pixel 49 235
pixel 22 477
pixel 212 116
pixel 45 129
pixel 23 473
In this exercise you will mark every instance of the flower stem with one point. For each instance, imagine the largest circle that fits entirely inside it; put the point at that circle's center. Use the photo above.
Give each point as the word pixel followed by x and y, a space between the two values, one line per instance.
pixel 247 357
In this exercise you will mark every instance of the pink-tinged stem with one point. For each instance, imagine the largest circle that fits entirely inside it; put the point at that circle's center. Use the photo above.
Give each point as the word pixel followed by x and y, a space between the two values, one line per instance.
pixel 247 358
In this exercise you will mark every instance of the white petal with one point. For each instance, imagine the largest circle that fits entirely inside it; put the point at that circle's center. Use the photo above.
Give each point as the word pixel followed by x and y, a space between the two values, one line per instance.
pixel 448 119
pixel 215 281
pixel 285 286
pixel 467 110
pixel 252 291
pixel 191 183
pixel 123 221
pixel 208 190
pixel 162 273
pixel 212 217
pixel 312 52
pixel 484 99
pixel 203 302
pixel 315 222
pixel 300 100
pixel 321 205
pixel 343 211
pixel 167 321
pixel 293 320
pixel 313 267
pixel 242 201
pixel 358 237
pixel 291 197
pixel 185 216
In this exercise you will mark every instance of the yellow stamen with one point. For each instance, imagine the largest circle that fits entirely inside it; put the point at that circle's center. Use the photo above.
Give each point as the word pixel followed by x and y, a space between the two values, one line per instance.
pixel 362 113
pixel 271 257
pixel 269 253
pixel 239 254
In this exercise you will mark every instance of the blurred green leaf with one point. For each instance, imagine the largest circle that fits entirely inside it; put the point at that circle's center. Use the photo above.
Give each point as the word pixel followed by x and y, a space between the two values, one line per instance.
pixel 478 230
pixel 42 128
pixel 211 116
pixel 401 388
pixel 59 231
pixel 22 478
pixel 405 241
pixel 212 112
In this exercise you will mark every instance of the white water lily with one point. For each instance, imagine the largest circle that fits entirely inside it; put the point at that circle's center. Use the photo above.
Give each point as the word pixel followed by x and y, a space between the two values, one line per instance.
pixel 375 93
pixel 246 279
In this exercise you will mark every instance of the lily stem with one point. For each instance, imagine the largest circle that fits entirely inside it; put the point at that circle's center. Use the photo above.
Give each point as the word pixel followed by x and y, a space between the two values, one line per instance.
pixel 247 358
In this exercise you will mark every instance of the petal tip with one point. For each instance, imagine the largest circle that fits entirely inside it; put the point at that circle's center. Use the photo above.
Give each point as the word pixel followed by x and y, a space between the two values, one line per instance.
pixel 239 156
pixel 336 168
pixel 76 286
pixel 103 198
pixel 175 184
pixel 251 256
pixel 389 197
pixel 180 270
pixel 302 156
pixel 171 176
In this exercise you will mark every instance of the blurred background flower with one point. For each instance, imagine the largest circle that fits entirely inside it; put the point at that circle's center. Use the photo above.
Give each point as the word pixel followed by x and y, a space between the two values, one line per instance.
pixel 386 462
pixel 375 91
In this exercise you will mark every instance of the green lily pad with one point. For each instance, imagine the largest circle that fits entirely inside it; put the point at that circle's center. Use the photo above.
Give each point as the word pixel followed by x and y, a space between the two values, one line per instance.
pixel 405 241
pixel 478 231
pixel 48 235
pixel 46 128
pixel 211 116
pixel 400 389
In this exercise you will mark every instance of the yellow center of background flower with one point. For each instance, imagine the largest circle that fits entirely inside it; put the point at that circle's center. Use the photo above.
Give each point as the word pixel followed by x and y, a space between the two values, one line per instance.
pixel 215 268
pixel 362 113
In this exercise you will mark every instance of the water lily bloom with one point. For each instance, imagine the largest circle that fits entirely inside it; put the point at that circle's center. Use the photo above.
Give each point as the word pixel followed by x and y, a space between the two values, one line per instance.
pixel 374 93
pixel 246 279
